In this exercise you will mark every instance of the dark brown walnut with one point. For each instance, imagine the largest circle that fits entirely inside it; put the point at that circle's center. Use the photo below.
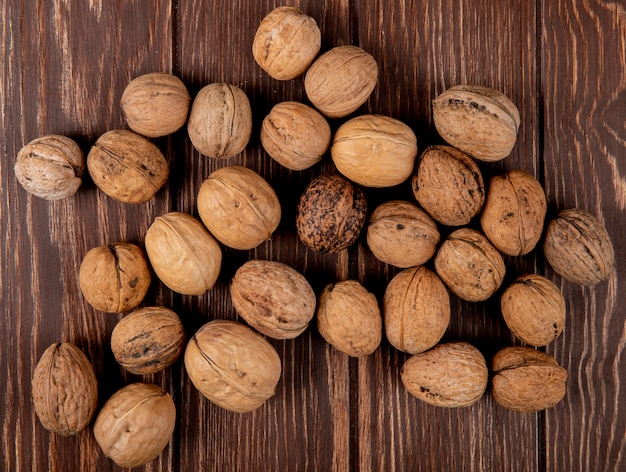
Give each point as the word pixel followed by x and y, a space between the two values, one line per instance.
pixel 448 184
pixel 135 424
pixel 127 167
pixel 232 365
pixel 273 298
pixel 64 389
pixel 416 310
pixel 50 167
pixel 401 234
pixel 534 309
pixel 449 375
pixel 239 207
pixel 114 278
pixel 469 265
pixel 148 340
pixel 578 247
pixel 514 212
pixel 331 214
pixel 526 380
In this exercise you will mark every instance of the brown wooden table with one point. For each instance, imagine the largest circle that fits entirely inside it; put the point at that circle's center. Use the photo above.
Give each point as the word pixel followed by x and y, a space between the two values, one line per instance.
pixel 65 65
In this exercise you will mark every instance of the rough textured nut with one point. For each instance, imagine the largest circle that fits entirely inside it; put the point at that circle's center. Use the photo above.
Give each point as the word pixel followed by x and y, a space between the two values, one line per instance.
pixel 448 185
pixel 65 389
pixel 533 309
pixel 341 80
pixel 239 207
pixel 374 150
pixel 231 365
pixel 449 375
pixel 135 424
pixel 331 214
pixel 286 43
pixel 527 380
pixel 349 319
pixel 148 340
pixel 416 310
pixel 114 278
pixel 183 253
pixel 401 234
pixel 50 167
pixel 469 265
pixel 295 135
pixel 514 212
pixel 273 298
pixel 155 104
pixel 127 167
pixel 478 120
pixel 578 247
pixel 220 121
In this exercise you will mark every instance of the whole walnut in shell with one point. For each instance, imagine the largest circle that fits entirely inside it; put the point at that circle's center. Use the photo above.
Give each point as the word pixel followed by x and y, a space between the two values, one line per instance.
pixel 273 298
pixel 50 167
pixel 449 375
pixel 64 389
pixel 232 366
pixel 135 424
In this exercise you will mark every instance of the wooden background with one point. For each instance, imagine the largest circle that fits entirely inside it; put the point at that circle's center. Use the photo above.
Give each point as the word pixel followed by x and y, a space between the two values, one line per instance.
pixel 65 65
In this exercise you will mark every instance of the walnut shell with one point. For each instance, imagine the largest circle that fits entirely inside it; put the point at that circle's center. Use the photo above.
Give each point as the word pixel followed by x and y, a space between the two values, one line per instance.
pixel 527 380
pixel 534 309
pixel 348 318
pixel 239 207
pixel 469 265
pixel 401 234
pixel 135 424
pixel 50 167
pixel 331 214
pixel 295 135
pixel 578 247
pixel 481 121
pixel 148 340
pixel 273 298
pixel 220 121
pixel 416 310
pixel 232 366
pixel 64 389
pixel 374 150
pixel 127 167
pixel 514 212
pixel 341 80
pixel 286 42
pixel 448 184
pixel 114 278
pixel 183 254
pixel 448 375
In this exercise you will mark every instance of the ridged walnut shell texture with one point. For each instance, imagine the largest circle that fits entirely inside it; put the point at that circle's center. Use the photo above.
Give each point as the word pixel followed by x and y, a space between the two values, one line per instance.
pixel 286 42
pixel 127 167
pixel 578 247
pixel 50 167
pixel 64 389
pixel 239 207
pixel 273 298
pixel 183 254
pixel 526 380
pixel 449 375
pixel 232 365
pixel 448 184
pixel 135 424
pixel 148 340
pixel 374 150
pixel 416 310
pixel 401 234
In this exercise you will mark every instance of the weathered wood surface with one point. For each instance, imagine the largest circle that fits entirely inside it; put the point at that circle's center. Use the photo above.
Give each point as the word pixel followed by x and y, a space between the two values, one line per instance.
pixel 64 67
